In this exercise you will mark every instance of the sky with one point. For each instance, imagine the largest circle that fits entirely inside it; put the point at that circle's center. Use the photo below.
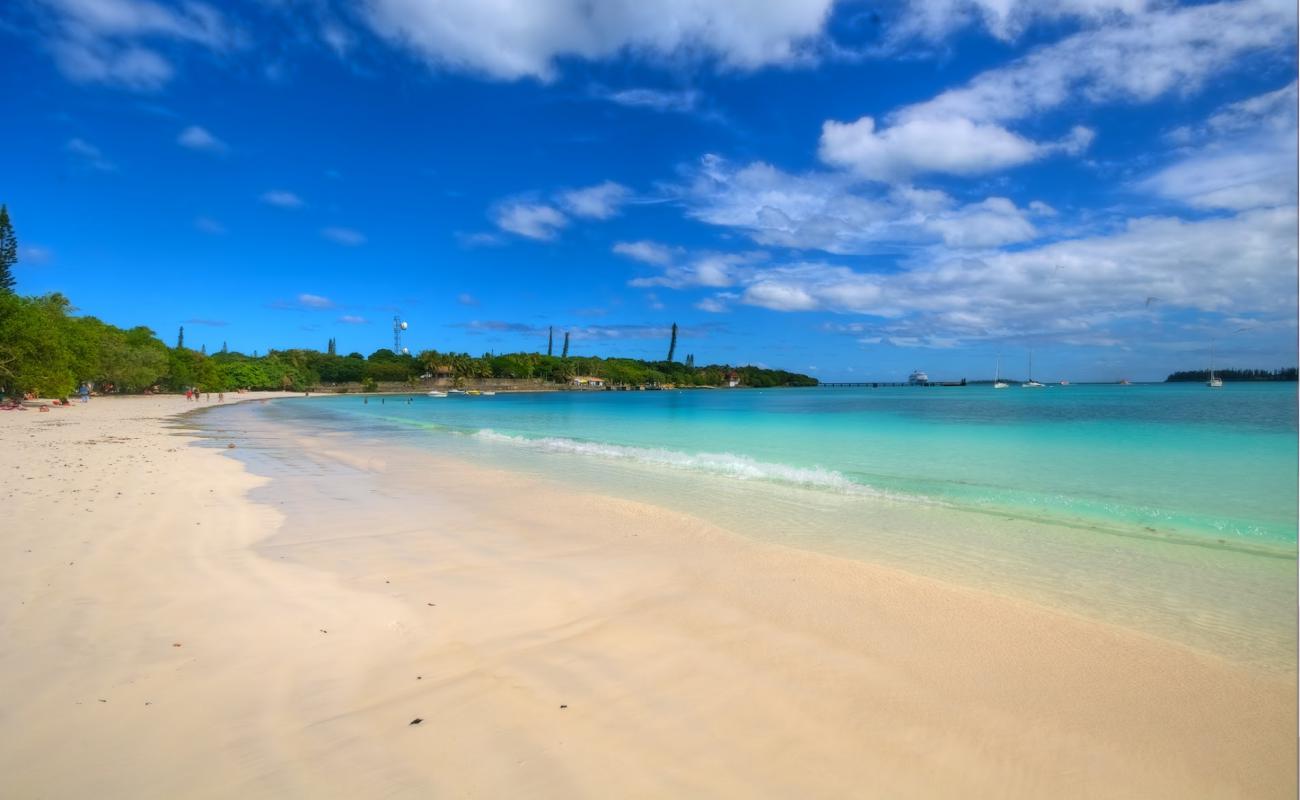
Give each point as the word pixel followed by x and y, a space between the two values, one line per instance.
pixel 852 190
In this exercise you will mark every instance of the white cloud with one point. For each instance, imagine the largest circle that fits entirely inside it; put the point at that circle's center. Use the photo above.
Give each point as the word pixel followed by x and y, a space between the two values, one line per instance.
pixel 681 101
pixel 713 305
pixel 352 319
pixel 831 212
pixel 512 39
pixel 990 223
pixel 117 42
pixel 315 301
pixel 601 201
pixel 1005 19
pixel 953 145
pixel 466 299
pixel 344 236
pixel 1243 157
pixel 197 138
pixel 1243 265
pixel 533 220
pixel 282 199
pixel 1148 56
pixel 714 270
pixel 646 252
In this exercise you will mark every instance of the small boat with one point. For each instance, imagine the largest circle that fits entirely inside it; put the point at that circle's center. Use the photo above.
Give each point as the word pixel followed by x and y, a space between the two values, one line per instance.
pixel 1213 382
pixel 1031 383
pixel 455 391
pixel 1065 383
pixel 918 378
pixel 436 393
pixel 473 393
pixel 1125 382
pixel 998 383
pixel 488 394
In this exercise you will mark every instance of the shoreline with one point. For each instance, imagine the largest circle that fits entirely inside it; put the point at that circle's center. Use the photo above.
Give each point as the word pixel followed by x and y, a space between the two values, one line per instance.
pixel 690 660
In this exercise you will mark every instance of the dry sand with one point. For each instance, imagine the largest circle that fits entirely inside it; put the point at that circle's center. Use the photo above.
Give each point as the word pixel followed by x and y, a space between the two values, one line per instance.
pixel 172 626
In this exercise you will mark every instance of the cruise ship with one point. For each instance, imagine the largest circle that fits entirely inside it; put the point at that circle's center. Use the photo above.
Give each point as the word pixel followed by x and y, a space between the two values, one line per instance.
pixel 917 378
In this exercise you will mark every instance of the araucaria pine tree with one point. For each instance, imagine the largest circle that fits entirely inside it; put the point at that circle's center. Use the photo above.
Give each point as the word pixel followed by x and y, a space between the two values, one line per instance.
pixel 550 340
pixel 332 347
pixel 672 345
pixel 8 251
pixel 565 354
pixel 180 338
pixel 224 349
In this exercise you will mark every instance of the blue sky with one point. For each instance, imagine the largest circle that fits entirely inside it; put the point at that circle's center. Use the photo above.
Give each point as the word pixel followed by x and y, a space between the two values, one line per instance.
pixel 847 189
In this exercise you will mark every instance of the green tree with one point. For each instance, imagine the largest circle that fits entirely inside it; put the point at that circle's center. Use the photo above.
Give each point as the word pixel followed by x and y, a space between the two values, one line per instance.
pixel 565 352
pixel 8 251
pixel 180 338
pixel 550 339
pixel 672 344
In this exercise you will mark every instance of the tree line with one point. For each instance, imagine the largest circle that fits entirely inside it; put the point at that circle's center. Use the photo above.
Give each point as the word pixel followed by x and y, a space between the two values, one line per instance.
pixel 1202 375
pixel 48 350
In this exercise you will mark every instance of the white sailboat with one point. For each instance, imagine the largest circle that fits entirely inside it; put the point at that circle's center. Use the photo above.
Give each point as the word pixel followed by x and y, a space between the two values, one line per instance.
pixel 998 383
pixel 1031 383
pixel 1213 382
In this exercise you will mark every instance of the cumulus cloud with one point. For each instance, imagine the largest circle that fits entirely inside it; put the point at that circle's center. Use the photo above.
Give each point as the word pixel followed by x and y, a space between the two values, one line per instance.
pixel 282 198
pixel 513 39
pixel 125 42
pixel 197 138
pixel 344 236
pixel 953 145
pixel 352 319
pixel 1244 265
pixel 834 213
pixel 601 201
pixel 532 220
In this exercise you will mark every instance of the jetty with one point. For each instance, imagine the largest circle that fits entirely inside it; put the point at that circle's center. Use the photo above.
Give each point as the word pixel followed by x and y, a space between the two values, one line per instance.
pixel 887 384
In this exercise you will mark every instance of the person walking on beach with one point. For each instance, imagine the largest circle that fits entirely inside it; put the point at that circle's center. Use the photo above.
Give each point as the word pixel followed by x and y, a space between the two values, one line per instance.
pixel 188 395
pixel 84 391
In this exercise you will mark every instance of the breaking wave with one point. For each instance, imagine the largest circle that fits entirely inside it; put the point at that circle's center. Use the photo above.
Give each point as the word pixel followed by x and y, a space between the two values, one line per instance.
pixel 724 464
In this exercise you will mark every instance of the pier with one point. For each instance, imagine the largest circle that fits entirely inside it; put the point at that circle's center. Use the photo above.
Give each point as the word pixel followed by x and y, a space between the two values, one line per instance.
pixel 886 384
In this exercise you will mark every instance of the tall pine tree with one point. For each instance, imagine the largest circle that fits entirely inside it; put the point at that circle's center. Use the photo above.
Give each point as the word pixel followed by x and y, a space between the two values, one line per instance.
pixel 672 345
pixel 550 340
pixel 180 338
pixel 565 354
pixel 8 251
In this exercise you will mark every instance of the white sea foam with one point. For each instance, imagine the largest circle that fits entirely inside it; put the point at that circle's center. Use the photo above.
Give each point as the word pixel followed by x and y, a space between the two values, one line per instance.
pixel 725 464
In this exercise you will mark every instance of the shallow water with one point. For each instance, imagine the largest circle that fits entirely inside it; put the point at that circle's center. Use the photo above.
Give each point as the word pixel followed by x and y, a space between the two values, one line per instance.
pixel 1168 509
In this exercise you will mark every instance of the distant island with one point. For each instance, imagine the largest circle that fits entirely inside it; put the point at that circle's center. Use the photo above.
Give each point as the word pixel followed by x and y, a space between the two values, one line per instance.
pixel 1233 375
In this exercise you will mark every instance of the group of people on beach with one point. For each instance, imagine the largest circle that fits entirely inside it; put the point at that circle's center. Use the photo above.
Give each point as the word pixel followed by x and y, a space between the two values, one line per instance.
pixel 194 395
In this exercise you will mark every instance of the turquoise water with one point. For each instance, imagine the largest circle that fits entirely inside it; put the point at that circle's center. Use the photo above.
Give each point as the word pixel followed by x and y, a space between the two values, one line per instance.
pixel 1168 509
pixel 1180 459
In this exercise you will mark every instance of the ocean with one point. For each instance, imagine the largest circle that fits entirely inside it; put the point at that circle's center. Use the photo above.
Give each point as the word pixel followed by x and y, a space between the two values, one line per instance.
pixel 1171 508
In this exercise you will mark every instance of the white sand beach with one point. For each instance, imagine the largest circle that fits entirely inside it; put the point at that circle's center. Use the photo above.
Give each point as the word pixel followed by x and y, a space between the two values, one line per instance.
pixel 174 626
